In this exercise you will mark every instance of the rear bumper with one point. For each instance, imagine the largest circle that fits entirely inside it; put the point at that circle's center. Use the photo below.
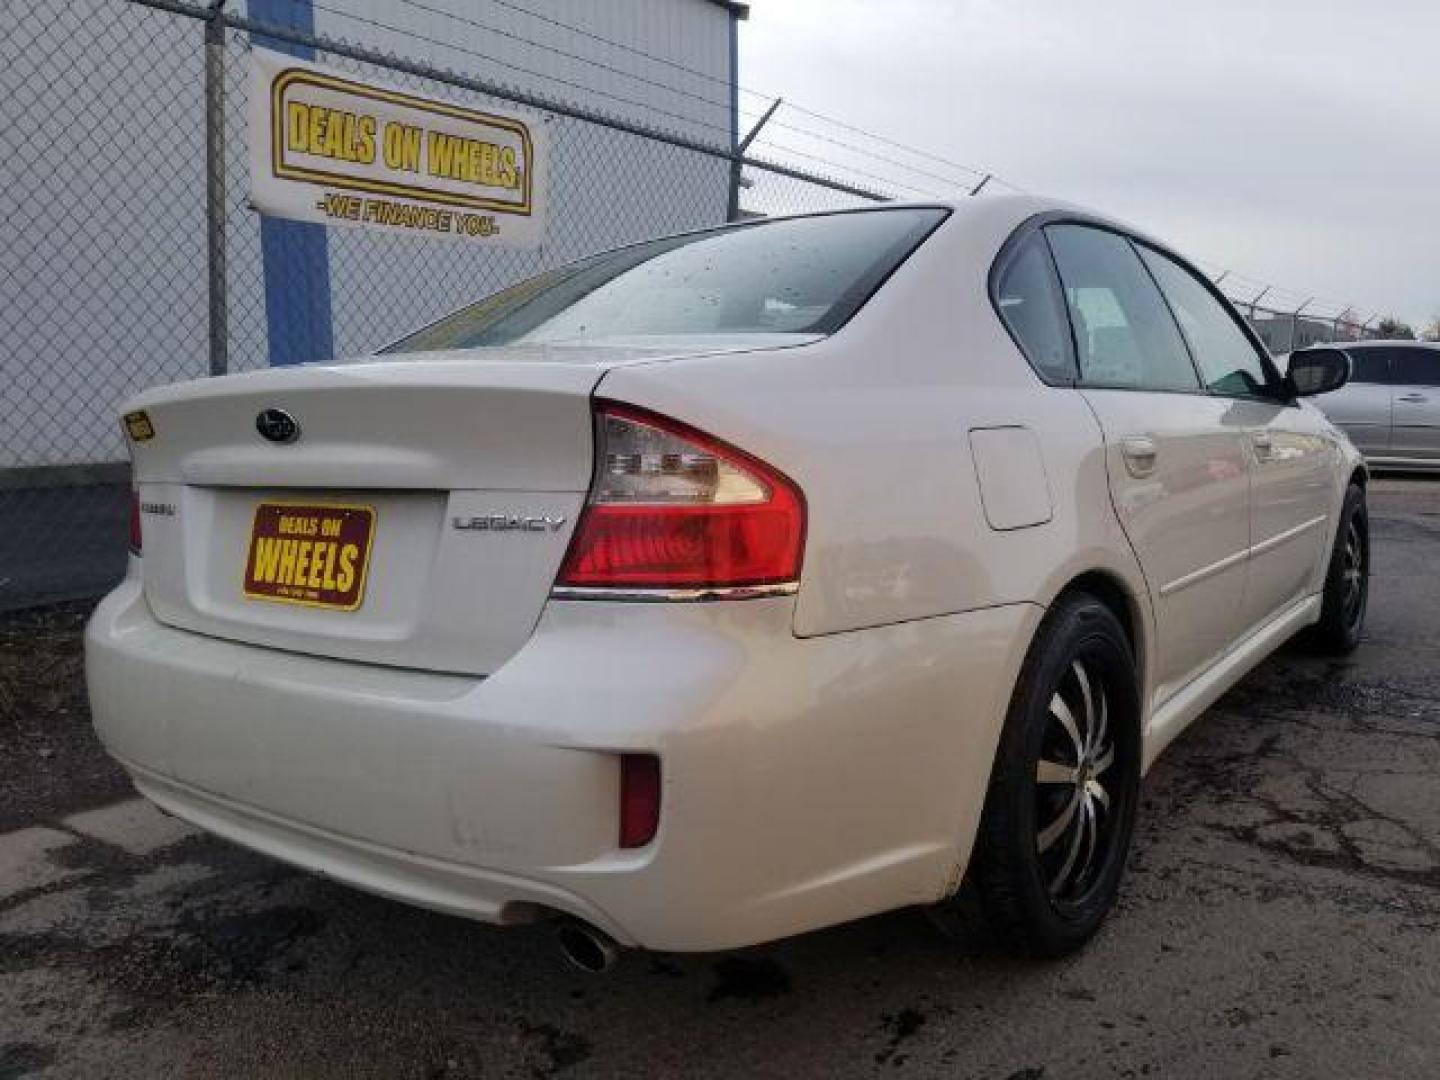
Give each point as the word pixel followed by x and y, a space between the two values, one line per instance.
pixel 806 781
pixel 454 888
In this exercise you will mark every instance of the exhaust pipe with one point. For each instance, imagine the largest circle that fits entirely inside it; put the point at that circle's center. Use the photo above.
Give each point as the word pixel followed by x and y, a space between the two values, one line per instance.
pixel 587 948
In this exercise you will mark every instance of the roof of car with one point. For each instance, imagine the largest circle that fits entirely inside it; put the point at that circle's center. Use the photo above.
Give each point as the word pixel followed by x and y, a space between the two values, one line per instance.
pixel 1370 343
pixel 1021 207
pixel 1011 209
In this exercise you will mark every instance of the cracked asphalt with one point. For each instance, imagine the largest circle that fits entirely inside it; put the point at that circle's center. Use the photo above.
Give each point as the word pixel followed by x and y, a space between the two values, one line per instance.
pixel 1279 918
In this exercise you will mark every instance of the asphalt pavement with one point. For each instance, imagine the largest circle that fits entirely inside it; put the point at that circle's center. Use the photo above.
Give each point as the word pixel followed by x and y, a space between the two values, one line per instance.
pixel 1279 918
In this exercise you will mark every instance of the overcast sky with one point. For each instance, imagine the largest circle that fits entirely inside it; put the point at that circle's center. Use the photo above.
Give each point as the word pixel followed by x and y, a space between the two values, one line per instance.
pixel 1297 142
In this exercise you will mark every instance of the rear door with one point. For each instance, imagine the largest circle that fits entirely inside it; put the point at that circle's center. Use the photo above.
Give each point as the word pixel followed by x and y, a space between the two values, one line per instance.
pixel 1416 395
pixel 1362 408
pixel 1291 455
pixel 1177 457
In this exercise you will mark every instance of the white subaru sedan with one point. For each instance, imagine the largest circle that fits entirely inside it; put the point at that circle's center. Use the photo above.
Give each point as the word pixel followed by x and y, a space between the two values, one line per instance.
pixel 733 584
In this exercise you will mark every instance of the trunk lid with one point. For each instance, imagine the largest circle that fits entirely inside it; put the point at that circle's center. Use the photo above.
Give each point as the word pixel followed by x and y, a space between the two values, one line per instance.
pixel 417 519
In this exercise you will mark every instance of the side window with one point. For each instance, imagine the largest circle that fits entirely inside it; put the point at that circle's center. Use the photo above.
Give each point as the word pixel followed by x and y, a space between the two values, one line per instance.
pixel 1416 367
pixel 1029 300
pixel 1370 366
pixel 1228 362
pixel 1123 331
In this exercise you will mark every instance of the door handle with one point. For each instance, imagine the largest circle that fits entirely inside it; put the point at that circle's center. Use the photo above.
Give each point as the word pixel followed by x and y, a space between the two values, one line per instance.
pixel 1139 452
pixel 1413 399
pixel 1263 444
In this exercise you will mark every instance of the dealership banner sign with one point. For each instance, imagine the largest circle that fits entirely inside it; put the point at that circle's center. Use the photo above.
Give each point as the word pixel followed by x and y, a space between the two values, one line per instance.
pixel 326 146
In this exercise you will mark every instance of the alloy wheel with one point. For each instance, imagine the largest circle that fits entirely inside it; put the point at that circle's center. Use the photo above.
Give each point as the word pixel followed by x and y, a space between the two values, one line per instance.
pixel 1352 572
pixel 1075 785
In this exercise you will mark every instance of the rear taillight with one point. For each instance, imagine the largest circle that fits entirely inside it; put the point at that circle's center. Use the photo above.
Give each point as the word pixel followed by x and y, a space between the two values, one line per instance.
pixel 673 508
pixel 135 540
pixel 639 799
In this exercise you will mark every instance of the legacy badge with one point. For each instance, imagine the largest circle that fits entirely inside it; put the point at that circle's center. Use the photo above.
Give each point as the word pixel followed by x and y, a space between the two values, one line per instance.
pixel 510 523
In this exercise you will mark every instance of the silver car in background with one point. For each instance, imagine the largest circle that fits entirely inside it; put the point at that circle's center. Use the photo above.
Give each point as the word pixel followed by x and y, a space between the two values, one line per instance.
pixel 1390 408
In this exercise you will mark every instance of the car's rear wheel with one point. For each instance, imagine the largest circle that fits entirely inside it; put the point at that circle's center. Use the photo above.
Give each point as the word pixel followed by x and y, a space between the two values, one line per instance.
pixel 1060 809
pixel 1347 580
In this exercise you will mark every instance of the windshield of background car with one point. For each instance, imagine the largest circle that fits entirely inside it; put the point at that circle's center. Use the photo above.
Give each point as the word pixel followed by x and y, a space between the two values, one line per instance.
pixel 797 275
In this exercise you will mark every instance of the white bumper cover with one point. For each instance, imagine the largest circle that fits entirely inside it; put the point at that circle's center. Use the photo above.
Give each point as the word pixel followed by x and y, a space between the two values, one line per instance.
pixel 805 781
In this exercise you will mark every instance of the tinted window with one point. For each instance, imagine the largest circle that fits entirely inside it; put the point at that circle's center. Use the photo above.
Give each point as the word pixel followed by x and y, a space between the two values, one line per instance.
pixel 1370 365
pixel 1029 300
pixel 1416 367
pixel 1123 330
pixel 1228 362
pixel 801 275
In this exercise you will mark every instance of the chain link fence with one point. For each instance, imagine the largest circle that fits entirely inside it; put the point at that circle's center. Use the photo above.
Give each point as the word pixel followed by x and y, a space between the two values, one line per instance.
pixel 116 277
pixel 87 314
pixel 1285 331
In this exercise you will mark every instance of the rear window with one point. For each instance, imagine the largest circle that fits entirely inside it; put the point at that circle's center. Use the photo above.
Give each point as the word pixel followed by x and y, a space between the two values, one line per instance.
pixel 1030 303
pixel 1124 331
pixel 796 275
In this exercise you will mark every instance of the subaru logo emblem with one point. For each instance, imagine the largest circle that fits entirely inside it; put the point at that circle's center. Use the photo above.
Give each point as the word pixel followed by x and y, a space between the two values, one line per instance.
pixel 278 426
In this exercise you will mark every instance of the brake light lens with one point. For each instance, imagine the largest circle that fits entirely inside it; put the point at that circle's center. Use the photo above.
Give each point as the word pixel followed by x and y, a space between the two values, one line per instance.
pixel 672 507
pixel 135 538
pixel 639 799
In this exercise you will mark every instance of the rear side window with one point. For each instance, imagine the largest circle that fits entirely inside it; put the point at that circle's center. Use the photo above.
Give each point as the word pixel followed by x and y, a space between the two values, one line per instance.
pixel 1370 366
pixel 1028 296
pixel 1228 361
pixel 1124 333
pixel 1416 367
pixel 798 275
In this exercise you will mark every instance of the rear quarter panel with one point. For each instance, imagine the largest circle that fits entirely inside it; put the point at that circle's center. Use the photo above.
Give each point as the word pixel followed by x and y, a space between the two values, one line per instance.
pixel 874 424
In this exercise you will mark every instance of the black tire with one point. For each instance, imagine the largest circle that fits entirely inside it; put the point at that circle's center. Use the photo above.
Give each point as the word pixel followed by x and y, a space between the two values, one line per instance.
pixel 1060 810
pixel 1347 580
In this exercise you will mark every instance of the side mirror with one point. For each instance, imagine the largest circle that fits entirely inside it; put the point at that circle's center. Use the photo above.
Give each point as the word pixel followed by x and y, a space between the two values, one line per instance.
pixel 1317 371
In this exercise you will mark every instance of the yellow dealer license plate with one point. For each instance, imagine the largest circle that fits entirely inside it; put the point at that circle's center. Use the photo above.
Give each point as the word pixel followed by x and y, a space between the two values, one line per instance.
pixel 313 554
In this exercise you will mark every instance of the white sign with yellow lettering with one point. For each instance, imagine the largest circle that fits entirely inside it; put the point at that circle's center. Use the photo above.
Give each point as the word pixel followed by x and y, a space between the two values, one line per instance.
pixel 328 147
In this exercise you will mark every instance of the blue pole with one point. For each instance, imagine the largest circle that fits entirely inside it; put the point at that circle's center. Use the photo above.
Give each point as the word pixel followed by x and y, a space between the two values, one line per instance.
pixel 296 254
